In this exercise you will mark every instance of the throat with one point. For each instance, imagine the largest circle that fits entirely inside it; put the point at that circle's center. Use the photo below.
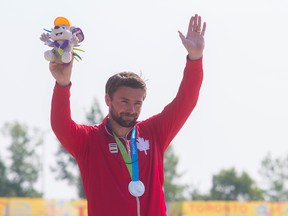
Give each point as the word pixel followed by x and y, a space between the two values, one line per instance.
pixel 118 130
pixel 121 133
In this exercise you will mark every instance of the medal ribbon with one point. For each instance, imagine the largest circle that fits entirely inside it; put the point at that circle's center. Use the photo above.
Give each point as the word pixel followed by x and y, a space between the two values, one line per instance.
pixel 134 156
pixel 131 163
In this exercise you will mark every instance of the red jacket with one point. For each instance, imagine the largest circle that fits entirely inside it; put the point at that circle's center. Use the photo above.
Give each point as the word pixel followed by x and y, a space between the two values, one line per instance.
pixel 104 174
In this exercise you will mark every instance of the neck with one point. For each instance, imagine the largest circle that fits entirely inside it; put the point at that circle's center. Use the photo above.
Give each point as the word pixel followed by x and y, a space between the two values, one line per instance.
pixel 118 129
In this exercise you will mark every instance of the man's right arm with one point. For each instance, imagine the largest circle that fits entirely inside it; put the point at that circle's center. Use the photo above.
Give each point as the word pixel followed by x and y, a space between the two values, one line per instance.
pixel 60 117
pixel 70 134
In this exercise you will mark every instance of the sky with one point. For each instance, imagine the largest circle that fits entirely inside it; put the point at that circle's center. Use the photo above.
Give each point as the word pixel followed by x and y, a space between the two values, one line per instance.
pixel 241 114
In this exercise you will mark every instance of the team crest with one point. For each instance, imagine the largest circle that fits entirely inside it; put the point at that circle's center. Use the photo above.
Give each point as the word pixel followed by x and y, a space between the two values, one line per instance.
pixel 113 148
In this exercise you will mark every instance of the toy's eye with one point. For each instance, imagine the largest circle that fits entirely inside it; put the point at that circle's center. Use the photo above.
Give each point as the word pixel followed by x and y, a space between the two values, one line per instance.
pixel 63 27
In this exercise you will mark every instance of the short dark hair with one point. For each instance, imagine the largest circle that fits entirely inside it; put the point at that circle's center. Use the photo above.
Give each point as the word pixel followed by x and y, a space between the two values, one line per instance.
pixel 128 79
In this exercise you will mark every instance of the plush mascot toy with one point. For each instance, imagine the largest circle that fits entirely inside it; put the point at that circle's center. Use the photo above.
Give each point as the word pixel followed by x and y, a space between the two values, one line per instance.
pixel 63 38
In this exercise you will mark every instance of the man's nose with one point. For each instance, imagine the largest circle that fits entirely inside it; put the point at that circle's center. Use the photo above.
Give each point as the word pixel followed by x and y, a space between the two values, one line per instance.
pixel 131 108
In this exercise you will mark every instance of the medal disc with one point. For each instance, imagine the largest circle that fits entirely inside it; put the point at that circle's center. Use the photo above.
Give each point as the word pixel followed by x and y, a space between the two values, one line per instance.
pixel 136 188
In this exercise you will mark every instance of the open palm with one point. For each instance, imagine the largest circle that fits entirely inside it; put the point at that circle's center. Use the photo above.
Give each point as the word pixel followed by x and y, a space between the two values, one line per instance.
pixel 194 40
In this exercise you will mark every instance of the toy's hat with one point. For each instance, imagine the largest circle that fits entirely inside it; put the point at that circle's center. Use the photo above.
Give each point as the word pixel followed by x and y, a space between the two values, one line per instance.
pixel 62 21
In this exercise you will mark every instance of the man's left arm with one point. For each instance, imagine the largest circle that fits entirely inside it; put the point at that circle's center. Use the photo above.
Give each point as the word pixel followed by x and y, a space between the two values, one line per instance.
pixel 174 115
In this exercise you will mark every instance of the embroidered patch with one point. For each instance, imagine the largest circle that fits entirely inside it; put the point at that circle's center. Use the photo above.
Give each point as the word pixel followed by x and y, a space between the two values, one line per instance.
pixel 143 145
pixel 113 148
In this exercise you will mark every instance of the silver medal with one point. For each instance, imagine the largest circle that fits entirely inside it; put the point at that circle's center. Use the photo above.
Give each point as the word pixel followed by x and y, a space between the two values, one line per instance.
pixel 136 188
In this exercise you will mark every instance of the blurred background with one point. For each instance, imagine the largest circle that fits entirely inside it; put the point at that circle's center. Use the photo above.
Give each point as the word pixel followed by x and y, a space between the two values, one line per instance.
pixel 235 138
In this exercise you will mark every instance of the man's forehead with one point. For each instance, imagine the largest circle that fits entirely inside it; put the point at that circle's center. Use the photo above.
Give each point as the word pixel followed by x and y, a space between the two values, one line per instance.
pixel 129 93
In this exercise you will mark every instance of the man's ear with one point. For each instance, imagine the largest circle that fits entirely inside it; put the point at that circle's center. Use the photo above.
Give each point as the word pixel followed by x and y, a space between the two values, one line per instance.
pixel 107 100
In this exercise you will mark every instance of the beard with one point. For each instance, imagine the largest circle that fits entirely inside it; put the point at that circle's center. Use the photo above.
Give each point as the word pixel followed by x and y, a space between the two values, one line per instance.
pixel 120 120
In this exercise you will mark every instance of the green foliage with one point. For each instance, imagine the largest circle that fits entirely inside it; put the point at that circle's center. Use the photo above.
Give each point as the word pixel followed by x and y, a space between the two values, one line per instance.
pixel 22 173
pixel 95 115
pixel 228 185
pixel 275 175
pixel 4 182
pixel 196 195
pixel 66 166
pixel 173 190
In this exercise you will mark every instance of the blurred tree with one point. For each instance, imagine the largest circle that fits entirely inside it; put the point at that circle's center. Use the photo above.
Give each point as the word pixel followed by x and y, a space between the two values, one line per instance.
pixel 67 168
pixel 173 190
pixel 4 182
pixel 195 194
pixel 95 115
pixel 274 171
pixel 228 185
pixel 20 176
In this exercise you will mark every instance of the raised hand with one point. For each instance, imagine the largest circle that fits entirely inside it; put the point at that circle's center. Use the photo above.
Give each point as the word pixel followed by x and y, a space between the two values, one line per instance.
pixel 194 40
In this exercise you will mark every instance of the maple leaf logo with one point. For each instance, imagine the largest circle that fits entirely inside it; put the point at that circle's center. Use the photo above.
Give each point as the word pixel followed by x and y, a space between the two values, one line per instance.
pixel 143 145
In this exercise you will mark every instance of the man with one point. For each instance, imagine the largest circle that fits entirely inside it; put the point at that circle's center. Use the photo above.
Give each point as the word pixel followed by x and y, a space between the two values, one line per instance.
pixel 121 160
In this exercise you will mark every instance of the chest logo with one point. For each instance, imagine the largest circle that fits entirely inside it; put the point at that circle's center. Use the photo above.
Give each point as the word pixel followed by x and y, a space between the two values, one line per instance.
pixel 113 148
pixel 143 145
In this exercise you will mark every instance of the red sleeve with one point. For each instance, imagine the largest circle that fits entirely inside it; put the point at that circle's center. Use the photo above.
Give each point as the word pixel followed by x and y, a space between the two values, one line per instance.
pixel 70 134
pixel 174 115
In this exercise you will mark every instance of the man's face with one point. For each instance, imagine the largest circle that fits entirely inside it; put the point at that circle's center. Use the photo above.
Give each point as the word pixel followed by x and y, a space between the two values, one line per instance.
pixel 125 105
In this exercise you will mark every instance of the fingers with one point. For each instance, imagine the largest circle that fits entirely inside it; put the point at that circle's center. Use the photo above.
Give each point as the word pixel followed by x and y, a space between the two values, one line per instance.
pixel 181 36
pixel 60 67
pixel 52 66
pixel 191 26
pixel 195 25
pixel 198 24
pixel 203 29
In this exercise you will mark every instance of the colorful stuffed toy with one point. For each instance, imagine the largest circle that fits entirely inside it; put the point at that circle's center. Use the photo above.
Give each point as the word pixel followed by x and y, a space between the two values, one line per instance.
pixel 63 38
